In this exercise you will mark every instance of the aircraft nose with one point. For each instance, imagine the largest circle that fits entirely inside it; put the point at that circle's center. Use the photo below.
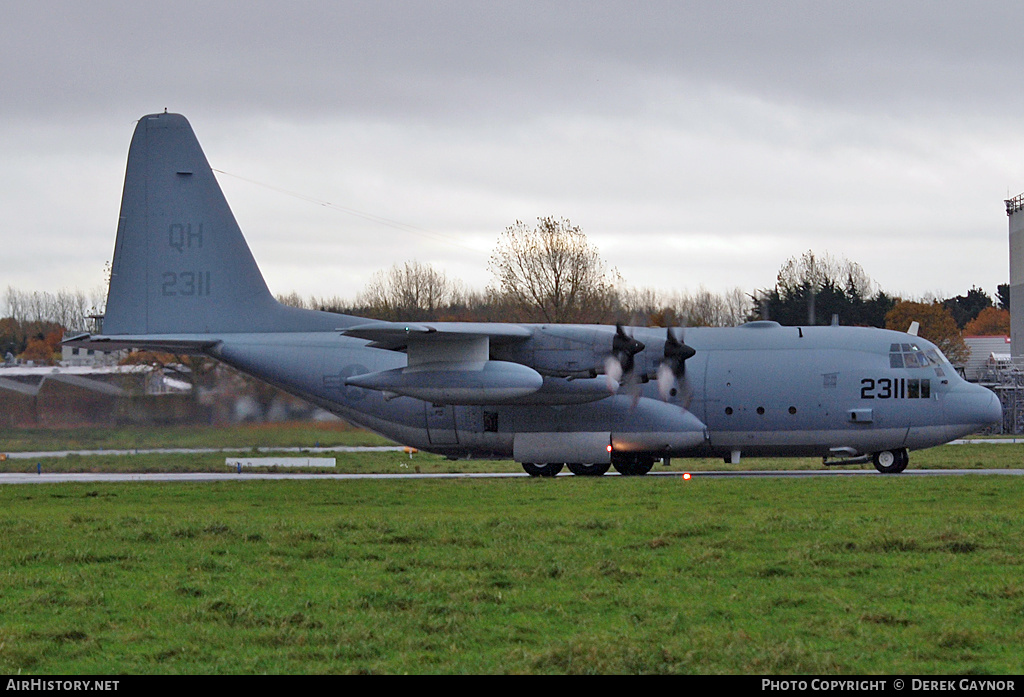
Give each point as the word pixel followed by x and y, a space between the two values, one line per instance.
pixel 980 406
pixel 994 410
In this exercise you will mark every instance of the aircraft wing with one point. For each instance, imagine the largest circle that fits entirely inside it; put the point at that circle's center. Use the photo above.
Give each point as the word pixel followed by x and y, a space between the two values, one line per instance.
pixel 396 336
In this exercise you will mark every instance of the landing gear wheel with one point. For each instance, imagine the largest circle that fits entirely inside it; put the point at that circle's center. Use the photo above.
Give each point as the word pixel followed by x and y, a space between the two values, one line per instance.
pixel 903 459
pixel 549 469
pixel 633 465
pixel 891 461
pixel 588 470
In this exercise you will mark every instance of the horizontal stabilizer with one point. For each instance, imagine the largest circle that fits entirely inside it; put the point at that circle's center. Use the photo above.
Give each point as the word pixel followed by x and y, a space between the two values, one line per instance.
pixel 164 343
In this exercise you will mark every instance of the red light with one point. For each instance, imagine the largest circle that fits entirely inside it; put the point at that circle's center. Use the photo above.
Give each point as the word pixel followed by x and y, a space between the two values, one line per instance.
pixel 609 448
pixel 686 475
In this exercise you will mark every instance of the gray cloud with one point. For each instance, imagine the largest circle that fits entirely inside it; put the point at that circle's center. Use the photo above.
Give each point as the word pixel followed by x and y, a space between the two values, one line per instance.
pixel 698 142
pixel 415 59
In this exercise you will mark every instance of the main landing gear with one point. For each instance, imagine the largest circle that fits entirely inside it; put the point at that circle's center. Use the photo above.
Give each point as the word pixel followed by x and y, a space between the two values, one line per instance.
pixel 891 461
pixel 626 464
pixel 588 470
pixel 549 469
pixel 579 469
pixel 631 465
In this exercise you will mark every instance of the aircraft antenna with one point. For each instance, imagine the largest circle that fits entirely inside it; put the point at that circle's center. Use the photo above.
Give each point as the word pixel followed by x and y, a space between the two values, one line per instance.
pixel 380 220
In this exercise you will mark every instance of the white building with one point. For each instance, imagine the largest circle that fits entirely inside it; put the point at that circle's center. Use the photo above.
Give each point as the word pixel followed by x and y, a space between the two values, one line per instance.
pixel 982 349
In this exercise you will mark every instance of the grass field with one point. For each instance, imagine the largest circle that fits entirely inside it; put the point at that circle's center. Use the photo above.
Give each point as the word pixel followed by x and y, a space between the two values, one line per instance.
pixel 572 575
pixel 878 575
pixel 292 434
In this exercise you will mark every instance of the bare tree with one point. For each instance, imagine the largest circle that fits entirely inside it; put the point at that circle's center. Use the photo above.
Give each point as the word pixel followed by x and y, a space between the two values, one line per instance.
pixel 68 308
pixel 645 306
pixel 815 271
pixel 551 273
pixel 14 307
pixel 739 307
pixel 814 286
pixel 412 290
pixel 703 308
pixel 293 299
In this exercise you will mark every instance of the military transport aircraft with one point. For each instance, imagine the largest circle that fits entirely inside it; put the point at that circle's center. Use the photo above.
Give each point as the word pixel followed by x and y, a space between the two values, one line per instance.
pixel 586 396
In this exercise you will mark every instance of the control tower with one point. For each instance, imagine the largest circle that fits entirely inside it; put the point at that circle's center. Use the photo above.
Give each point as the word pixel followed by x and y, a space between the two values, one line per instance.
pixel 1015 211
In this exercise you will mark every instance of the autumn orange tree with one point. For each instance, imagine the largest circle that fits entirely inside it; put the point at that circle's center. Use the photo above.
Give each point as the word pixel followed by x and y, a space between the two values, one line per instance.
pixel 937 326
pixel 11 335
pixel 992 321
pixel 44 349
pixel 38 351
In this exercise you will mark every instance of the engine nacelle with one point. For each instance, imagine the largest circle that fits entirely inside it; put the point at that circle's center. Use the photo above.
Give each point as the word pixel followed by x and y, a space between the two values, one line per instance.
pixel 471 382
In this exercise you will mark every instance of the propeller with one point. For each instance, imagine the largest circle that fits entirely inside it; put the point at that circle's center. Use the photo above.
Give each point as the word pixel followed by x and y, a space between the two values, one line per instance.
pixel 618 367
pixel 673 366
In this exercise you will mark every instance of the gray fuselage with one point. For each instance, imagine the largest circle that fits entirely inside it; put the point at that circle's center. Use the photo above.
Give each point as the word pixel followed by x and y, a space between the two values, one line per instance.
pixel 760 389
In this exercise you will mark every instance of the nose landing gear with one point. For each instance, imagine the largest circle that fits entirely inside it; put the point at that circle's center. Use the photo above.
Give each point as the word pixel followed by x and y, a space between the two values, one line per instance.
pixel 891 461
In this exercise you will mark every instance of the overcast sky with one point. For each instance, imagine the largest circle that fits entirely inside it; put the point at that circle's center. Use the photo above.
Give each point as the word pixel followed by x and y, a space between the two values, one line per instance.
pixel 696 143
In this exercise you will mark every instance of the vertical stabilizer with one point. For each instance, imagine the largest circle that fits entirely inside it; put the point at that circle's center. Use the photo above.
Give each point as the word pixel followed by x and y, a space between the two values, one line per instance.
pixel 180 262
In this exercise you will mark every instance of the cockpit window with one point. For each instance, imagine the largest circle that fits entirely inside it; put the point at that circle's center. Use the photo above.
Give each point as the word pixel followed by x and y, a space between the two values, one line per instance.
pixel 911 356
